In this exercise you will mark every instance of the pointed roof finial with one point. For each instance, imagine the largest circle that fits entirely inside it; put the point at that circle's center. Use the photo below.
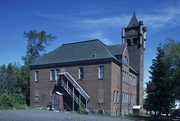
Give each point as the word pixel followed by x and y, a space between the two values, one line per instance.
pixel 133 21
pixel 134 14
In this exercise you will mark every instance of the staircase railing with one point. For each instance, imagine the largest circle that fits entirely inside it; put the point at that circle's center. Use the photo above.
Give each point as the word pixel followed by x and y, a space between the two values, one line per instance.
pixel 70 92
pixel 76 85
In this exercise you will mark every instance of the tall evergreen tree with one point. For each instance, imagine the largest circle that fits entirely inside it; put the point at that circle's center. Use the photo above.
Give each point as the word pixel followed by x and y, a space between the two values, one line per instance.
pixel 161 93
pixel 172 60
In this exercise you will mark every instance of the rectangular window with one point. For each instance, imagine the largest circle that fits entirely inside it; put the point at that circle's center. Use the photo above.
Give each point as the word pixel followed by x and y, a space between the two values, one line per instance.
pixel 101 96
pixel 117 100
pixel 123 76
pixel 57 74
pixel 101 72
pixel 114 97
pixel 125 60
pixel 81 73
pixel 52 75
pixel 123 97
pixel 36 76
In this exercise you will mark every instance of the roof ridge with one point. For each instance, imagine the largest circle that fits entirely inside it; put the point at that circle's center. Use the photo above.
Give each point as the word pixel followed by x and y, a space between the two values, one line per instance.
pixel 81 42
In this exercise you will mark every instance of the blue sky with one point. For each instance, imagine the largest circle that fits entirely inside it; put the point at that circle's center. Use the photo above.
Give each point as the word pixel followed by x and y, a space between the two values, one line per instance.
pixel 78 20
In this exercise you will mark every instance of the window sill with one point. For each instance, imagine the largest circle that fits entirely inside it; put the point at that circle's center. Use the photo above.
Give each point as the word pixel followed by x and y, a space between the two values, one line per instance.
pixel 52 80
pixel 100 78
pixel 80 79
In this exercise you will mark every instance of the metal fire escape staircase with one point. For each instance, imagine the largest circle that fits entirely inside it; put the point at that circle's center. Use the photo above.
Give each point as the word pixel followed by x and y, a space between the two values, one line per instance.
pixel 70 91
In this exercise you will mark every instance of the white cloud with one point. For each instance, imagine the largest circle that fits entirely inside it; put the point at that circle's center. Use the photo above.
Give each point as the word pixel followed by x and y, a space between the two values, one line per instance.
pixel 154 21
pixel 99 35
pixel 158 19
pixel 168 17
pixel 116 21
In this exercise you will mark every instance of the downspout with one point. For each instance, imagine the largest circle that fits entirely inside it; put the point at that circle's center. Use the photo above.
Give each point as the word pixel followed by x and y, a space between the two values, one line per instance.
pixel 121 77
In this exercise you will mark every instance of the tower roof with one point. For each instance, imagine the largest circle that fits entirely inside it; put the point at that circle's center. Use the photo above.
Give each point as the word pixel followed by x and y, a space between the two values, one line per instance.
pixel 133 21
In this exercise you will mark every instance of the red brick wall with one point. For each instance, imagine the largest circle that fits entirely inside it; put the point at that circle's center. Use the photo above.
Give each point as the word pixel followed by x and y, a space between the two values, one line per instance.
pixel 115 86
pixel 91 84
pixel 128 88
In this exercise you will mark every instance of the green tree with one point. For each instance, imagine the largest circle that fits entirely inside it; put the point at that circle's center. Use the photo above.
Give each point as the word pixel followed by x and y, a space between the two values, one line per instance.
pixel 8 79
pixel 163 88
pixel 14 79
pixel 172 59
pixel 159 89
pixel 157 76
pixel 37 43
pixel 22 86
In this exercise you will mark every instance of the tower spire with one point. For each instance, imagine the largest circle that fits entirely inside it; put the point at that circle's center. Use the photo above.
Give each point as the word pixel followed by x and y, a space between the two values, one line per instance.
pixel 133 21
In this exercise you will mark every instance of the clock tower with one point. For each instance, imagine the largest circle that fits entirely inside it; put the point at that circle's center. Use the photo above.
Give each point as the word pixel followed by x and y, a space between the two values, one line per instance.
pixel 135 36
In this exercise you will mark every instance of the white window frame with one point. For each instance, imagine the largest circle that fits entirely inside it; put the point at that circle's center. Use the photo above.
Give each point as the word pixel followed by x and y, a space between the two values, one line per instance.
pixel 101 72
pixel 36 76
pixel 80 73
pixel 52 78
pixel 56 74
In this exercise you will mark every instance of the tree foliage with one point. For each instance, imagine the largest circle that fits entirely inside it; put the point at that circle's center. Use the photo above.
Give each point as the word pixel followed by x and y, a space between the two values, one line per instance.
pixel 8 78
pixel 14 79
pixel 37 43
pixel 162 88
pixel 172 58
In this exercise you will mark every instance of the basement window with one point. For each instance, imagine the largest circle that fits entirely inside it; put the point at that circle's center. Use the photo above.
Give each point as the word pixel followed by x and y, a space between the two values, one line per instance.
pixel 36 99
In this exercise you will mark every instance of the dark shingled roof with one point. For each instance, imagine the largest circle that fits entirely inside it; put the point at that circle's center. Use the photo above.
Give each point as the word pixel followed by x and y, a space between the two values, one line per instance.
pixel 81 51
pixel 117 49
pixel 78 51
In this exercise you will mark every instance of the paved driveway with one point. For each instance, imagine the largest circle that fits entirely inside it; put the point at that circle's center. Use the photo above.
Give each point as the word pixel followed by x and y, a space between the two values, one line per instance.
pixel 43 115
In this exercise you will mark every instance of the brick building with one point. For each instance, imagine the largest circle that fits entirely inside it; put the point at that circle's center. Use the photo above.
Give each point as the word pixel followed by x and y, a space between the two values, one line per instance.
pixel 92 75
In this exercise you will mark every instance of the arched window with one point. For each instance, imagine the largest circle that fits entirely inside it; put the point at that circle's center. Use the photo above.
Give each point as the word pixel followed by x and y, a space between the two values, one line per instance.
pixel 135 41
pixel 129 42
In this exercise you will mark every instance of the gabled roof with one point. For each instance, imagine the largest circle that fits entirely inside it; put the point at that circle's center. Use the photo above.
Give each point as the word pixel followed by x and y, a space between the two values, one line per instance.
pixel 133 21
pixel 78 51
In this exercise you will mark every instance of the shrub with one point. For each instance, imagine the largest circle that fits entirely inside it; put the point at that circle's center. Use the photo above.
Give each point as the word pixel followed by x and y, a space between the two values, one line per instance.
pixel 6 101
pixel 13 101
pixel 19 99
pixel 81 110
